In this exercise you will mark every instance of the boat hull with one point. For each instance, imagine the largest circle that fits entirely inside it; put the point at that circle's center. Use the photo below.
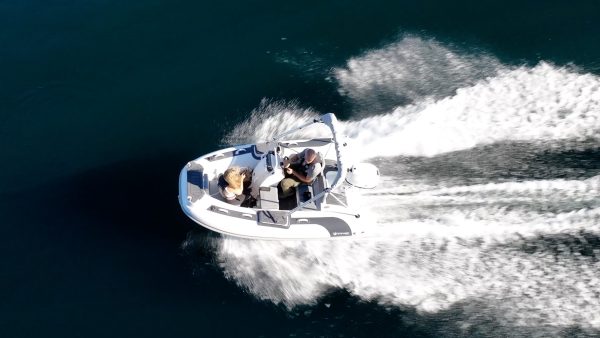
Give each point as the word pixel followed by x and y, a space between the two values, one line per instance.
pixel 209 210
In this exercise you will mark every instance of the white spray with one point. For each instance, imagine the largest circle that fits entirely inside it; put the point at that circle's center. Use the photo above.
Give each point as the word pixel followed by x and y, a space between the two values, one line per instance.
pixel 451 242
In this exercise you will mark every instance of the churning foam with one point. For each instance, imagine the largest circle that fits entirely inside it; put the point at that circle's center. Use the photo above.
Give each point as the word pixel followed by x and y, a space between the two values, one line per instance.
pixel 500 245
pixel 539 104
pixel 410 71
pixel 543 104
pixel 272 118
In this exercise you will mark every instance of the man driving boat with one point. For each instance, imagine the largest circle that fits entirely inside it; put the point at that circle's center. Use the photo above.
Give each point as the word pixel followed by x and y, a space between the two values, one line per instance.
pixel 300 168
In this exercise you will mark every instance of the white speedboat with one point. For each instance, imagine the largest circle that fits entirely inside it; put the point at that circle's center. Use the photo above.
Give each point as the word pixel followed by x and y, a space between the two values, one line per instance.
pixel 327 208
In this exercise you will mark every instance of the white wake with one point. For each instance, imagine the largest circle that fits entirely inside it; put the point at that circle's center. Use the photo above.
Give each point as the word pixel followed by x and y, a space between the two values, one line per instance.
pixel 517 248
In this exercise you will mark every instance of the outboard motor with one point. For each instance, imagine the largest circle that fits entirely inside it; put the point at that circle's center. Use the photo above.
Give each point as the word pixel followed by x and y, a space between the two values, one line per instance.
pixel 363 175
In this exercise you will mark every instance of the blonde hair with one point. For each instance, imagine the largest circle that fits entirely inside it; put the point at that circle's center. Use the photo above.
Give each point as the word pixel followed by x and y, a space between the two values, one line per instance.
pixel 233 176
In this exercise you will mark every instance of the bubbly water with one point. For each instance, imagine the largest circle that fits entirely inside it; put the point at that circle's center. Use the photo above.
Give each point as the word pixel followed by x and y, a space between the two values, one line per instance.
pixel 472 212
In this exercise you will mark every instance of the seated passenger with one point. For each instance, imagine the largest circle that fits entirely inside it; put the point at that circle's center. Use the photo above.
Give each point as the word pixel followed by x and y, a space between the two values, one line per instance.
pixel 231 184
pixel 301 168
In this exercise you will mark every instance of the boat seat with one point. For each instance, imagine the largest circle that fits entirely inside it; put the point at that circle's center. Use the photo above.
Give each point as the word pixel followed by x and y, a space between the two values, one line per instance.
pixel 304 192
pixel 321 182
pixel 330 177
pixel 268 198
pixel 318 185
pixel 330 171
pixel 215 191
pixel 196 182
pixel 213 188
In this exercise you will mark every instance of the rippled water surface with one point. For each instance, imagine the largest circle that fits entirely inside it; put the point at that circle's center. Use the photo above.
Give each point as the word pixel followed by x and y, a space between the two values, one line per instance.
pixel 483 119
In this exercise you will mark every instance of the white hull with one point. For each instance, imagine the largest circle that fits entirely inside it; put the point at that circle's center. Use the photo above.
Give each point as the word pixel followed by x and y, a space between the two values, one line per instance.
pixel 331 213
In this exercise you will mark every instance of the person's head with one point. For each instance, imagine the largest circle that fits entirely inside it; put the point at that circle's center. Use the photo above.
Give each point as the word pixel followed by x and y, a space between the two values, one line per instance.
pixel 311 156
pixel 233 176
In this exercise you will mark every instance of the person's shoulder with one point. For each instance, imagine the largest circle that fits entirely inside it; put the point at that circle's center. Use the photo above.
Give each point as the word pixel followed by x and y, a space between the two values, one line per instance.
pixel 316 169
pixel 228 193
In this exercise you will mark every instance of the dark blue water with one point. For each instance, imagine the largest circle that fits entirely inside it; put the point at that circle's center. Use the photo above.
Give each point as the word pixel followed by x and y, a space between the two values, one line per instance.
pixel 102 102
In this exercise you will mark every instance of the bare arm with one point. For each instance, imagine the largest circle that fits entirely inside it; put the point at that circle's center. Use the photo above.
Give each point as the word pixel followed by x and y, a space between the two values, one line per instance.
pixel 298 175
pixel 292 159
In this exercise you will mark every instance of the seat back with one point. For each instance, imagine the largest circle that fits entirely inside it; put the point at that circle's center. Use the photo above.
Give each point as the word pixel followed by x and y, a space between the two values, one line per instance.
pixel 216 186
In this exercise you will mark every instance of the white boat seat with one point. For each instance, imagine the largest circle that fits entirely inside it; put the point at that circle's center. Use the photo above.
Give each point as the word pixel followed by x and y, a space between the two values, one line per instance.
pixel 330 177
pixel 330 172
